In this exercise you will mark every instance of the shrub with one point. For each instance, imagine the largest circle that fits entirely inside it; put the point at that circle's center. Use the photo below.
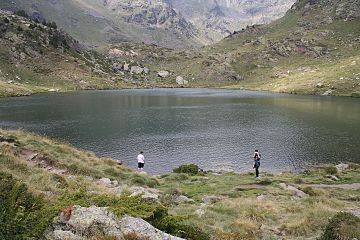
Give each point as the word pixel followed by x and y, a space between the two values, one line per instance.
pixel 174 225
pixel 22 13
pixel 19 28
pixel 354 166
pixel 6 20
pixel 22 214
pixel 298 180
pixel 331 170
pixel 189 169
pixel 265 181
pixel 342 226
pixel 309 190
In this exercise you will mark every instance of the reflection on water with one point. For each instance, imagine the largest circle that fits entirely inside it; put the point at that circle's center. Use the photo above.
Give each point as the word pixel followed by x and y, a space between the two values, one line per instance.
pixel 215 129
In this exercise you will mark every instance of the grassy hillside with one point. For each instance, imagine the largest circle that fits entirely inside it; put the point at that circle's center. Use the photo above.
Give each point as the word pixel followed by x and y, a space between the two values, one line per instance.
pixel 37 57
pixel 313 49
pixel 213 205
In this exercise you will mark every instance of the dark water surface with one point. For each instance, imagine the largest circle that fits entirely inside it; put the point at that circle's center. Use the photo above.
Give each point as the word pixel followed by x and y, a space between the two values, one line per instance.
pixel 215 129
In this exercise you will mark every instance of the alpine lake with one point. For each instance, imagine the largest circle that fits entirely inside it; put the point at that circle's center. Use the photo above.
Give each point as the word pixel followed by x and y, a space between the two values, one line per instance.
pixel 215 129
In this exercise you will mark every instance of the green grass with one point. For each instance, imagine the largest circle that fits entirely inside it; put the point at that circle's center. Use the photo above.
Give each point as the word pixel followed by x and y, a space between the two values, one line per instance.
pixel 233 212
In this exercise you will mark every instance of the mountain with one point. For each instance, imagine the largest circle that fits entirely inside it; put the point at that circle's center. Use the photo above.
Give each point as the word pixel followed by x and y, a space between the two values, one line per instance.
pixel 217 19
pixel 167 23
pixel 98 22
pixel 313 49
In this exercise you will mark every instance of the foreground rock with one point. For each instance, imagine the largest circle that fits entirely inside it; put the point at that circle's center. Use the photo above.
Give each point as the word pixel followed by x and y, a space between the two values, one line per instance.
pixel 84 223
pixel 181 81
pixel 297 192
pixel 163 74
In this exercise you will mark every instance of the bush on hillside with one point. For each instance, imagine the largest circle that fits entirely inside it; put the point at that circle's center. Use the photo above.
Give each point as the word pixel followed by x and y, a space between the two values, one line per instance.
pixel 343 226
pixel 189 169
pixel 174 225
pixel 331 170
pixel 22 13
pixel 21 213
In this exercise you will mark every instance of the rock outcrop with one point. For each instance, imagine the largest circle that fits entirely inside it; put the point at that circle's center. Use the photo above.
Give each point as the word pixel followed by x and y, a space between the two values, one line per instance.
pixel 84 223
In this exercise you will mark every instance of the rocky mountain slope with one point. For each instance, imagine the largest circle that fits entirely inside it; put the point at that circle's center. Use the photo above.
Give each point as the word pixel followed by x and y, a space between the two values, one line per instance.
pixel 168 23
pixel 97 22
pixel 313 49
pixel 217 19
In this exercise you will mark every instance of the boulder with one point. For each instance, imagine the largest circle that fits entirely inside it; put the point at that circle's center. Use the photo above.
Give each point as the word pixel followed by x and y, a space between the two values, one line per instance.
pixel 297 192
pixel 181 81
pixel 341 167
pixel 320 85
pixel 126 67
pixel 149 194
pixel 163 74
pixel 182 199
pixel 136 70
pixel 105 182
pixel 209 199
pixel 143 229
pixel 68 235
pixel 84 223
pixel 335 178
pixel 200 212
pixel 328 92
pixel 146 70
pixel 260 197
pixel 146 193
pixel 282 186
pixel 117 67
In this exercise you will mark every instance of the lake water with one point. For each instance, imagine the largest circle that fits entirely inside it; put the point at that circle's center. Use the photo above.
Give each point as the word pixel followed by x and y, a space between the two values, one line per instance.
pixel 215 129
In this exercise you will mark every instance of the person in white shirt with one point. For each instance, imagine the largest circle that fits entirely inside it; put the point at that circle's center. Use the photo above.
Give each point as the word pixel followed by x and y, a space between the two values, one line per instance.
pixel 141 161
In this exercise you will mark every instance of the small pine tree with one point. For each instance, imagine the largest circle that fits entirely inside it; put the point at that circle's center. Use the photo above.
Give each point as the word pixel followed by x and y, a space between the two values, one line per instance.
pixel 53 25
pixel 19 28
pixel 6 20
pixel 22 13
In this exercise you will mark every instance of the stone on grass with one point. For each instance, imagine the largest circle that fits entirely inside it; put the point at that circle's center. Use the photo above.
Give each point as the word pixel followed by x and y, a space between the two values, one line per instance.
pixel 182 199
pixel 341 167
pixel 163 74
pixel 335 178
pixel 282 186
pixel 84 223
pixel 181 81
pixel 143 229
pixel 260 197
pixel 200 212
pixel 297 192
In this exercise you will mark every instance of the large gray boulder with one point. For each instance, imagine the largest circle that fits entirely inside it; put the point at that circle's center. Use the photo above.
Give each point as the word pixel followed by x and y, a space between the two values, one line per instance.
pixel 84 223
pixel 143 229
pixel 136 70
pixel 80 223
pixel 163 74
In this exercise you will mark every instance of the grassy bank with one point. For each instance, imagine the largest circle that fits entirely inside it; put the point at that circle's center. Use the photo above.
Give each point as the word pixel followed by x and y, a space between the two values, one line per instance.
pixel 212 205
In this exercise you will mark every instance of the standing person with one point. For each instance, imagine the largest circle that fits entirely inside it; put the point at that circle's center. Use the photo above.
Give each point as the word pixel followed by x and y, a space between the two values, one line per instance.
pixel 257 157
pixel 141 161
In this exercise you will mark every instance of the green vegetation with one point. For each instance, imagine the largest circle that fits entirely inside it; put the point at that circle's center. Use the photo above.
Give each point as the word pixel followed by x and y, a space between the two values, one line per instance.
pixel 343 226
pixel 190 169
